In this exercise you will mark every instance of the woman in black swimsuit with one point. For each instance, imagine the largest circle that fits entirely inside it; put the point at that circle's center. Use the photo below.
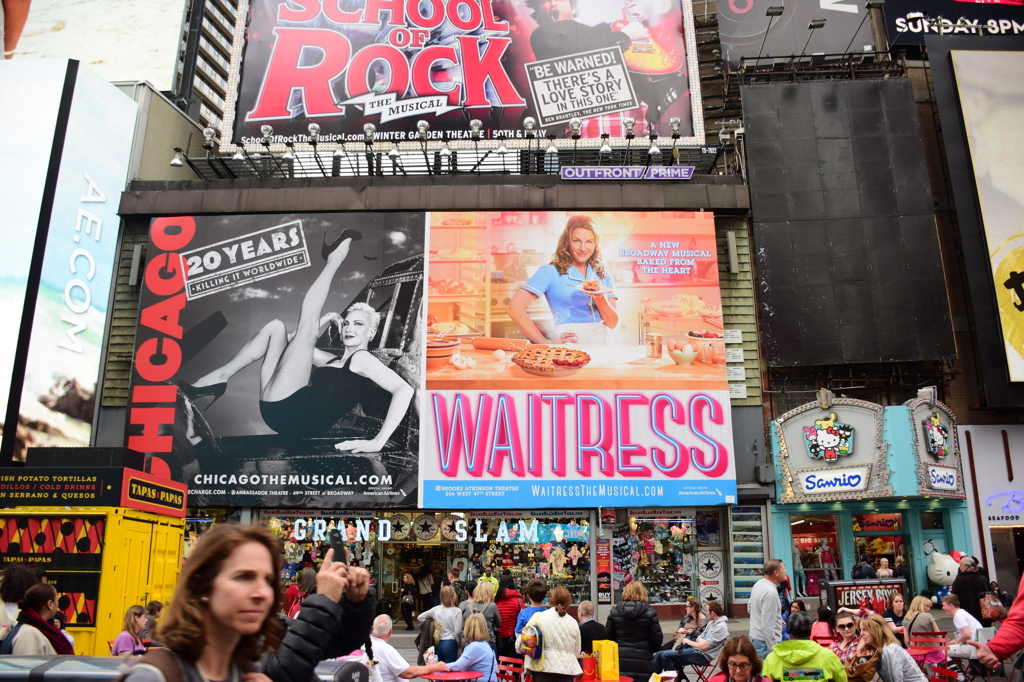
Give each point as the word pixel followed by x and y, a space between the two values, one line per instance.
pixel 305 390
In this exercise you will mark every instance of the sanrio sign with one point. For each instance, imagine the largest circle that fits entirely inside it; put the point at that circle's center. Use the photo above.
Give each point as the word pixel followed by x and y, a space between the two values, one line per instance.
pixel 847 479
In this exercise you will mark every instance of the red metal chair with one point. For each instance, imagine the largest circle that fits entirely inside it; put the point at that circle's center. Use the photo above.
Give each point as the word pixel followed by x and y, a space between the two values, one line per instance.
pixel 942 675
pixel 509 669
pixel 928 648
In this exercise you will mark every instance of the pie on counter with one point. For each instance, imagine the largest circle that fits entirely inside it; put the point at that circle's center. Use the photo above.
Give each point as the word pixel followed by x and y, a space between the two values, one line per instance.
pixel 548 361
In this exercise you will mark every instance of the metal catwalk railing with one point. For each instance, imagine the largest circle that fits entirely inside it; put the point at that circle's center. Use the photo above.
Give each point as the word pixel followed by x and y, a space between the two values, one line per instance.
pixel 375 162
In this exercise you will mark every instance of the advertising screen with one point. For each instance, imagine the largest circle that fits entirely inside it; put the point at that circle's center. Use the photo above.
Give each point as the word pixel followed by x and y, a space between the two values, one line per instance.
pixel 59 394
pixel 490 359
pixel 743 25
pixel 990 97
pixel 23 172
pixel 129 41
pixel 583 414
pixel 394 63
pixel 281 370
pixel 906 25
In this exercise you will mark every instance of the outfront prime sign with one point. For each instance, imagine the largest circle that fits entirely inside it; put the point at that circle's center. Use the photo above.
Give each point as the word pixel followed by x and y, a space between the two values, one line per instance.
pixel 606 173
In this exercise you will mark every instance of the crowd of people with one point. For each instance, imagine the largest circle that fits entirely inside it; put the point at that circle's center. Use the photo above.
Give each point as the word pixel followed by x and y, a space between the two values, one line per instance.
pixel 228 621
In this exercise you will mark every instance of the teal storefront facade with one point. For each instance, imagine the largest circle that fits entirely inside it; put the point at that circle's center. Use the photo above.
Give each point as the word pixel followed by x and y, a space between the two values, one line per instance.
pixel 855 478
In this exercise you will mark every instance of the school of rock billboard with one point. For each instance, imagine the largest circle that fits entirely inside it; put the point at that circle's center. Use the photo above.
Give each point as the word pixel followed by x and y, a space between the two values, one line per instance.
pixel 481 360
pixel 393 63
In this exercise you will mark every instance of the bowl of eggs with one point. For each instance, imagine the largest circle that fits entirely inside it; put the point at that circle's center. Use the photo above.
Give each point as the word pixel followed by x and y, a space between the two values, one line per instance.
pixel 681 352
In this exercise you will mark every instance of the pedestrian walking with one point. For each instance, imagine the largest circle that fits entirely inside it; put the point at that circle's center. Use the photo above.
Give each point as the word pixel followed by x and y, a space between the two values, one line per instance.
pixel 765 609
pixel 633 625
pixel 33 635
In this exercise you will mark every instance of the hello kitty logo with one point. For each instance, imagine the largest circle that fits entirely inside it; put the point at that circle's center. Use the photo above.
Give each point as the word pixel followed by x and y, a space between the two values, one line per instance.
pixel 937 435
pixel 828 439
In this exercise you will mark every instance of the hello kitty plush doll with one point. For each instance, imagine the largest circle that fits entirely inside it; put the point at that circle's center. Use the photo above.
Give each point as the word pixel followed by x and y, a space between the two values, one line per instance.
pixel 941 570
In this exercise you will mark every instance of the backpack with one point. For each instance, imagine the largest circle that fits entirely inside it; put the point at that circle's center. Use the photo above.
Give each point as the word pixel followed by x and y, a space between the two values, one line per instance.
pixel 7 645
pixel 531 643
pixel 858 572
pixel 297 606
pixel 460 591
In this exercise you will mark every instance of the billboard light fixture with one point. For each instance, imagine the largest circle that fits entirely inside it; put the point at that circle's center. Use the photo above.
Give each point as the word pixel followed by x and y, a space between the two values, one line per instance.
pixel 771 13
pixel 529 124
pixel 629 122
pixel 177 161
pixel 605 147
pixel 289 154
pixel 368 131
pixel 238 155
pixel 421 129
pixel 268 132
pixel 552 150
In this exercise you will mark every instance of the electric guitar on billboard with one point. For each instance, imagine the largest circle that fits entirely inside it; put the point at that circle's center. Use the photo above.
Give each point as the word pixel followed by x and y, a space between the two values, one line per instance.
pixel 646 54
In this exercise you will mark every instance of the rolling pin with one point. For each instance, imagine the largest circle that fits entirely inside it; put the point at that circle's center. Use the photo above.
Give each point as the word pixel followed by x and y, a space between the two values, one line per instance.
pixel 492 343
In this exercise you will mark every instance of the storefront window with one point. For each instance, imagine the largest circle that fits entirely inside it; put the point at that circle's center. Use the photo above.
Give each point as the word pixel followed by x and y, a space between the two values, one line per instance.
pixel 879 536
pixel 198 521
pixel 659 552
pixel 427 544
pixel 816 555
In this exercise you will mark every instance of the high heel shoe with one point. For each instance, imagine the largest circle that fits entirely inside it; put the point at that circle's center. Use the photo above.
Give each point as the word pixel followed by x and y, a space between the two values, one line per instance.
pixel 328 249
pixel 192 393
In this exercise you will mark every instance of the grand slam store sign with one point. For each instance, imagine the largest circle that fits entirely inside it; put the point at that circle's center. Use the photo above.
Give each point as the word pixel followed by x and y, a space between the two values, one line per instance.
pixel 394 62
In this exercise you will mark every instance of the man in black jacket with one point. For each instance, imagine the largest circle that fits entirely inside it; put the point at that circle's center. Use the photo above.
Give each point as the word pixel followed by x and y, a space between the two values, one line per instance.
pixel 334 621
pixel 590 629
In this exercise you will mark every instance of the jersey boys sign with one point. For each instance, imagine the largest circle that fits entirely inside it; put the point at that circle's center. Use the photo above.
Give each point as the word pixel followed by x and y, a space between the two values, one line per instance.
pixel 393 62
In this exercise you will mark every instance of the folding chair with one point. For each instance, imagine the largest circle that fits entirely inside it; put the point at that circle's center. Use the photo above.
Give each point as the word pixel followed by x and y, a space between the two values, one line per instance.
pixel 704 672
pixel 928 645
pixel 942 675
pixel 509 669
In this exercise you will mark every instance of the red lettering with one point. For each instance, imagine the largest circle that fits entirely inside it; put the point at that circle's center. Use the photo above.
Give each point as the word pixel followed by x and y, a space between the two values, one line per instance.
pixel 626 449
pixel 601 447
pixel 558 404
pixel 310 10
pixel 421 65
pixel 398 70
pixel 339 16
pixel 680 460
pixel 436 18
pixel 151 419
pixel 162 316
pixel 284 73
pixel 156 372
pixel 477 68
pixel 172 234
pixel 475 16
pixel 719 455
pixel 491 22
pixel 399 37
pixel 159 393
pixel 394 8
pixel 164 286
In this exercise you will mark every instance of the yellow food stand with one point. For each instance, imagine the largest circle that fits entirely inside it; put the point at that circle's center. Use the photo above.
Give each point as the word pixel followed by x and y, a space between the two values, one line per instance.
pixel 107 537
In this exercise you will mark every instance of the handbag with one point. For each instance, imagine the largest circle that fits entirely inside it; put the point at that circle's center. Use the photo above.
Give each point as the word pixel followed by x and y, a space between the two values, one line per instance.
pixel 861 668
pixel 408 600
pixel 992 607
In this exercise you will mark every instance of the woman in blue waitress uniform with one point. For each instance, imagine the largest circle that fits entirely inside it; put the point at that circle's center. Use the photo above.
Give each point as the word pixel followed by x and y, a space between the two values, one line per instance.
pixel 586 318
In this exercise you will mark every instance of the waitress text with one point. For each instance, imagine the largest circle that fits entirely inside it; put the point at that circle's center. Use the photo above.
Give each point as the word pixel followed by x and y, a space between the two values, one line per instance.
pixel 551 433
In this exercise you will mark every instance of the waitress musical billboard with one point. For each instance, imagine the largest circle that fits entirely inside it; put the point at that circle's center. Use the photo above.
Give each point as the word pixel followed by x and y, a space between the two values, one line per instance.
pixel 394 63
pixel 498 359
pixel 577 357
